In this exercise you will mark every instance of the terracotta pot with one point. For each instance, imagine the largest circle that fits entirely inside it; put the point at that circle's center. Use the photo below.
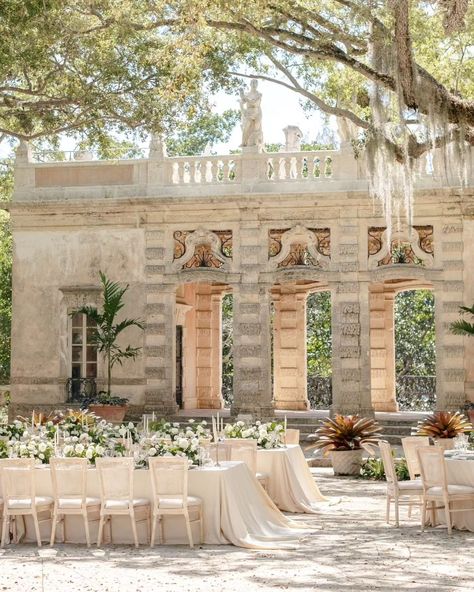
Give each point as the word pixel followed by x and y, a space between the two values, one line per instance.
pixel 113 413
pixel 444 443
pixel 346 462
pixel 470 413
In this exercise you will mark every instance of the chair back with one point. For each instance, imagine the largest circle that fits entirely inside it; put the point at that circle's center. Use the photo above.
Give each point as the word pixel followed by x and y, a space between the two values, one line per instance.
pixel 410 445
pixel 244 450
pixel 116 478
pixel 388 462
pixel 69 477
pixel 292 436
pixel 169 478
pixel 17 478
pixel 220 451
pixel 432 466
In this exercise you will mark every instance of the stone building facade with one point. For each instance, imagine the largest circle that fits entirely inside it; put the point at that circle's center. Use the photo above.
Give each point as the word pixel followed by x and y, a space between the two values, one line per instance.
pixel 268 228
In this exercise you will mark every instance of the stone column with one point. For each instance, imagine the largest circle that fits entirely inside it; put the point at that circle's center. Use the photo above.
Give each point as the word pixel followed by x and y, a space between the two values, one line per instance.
pixel 208 348
pixel 351 348
pixel 382 348
pixel 289 349
pixel 252 357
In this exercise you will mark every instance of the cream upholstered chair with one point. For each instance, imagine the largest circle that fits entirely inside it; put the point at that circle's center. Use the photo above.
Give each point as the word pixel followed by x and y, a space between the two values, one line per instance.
pixel 292 436
pixel 19 495
pixel 401 492
pixel 169 480
pixel 410 445
pixel 116 495
pixel 69 477
pixel 245 450
pixel 436 489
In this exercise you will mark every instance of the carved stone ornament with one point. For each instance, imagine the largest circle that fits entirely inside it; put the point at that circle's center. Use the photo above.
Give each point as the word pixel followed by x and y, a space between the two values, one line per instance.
pixel 78 296
pixel 410 246
pixel 299 246
pixel 202 249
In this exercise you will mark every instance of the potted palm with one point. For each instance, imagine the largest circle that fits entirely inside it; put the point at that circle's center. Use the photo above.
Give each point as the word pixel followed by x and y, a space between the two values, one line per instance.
pixel 105 337
pixel 463 327
pixel 345 438
pixel 443 427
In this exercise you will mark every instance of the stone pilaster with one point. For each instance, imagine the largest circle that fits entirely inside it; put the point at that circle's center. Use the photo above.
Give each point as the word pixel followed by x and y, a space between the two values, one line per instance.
pixel 252 359
pixel 382 348
pixel 289 348
pixel 160 330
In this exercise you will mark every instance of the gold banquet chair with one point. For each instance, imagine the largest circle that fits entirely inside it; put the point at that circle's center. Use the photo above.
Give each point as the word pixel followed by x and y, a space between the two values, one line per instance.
pixel 398 491
pixel 436 489
pixel 69 477
pixel 169 480
pixel 19 495
pixel 116 495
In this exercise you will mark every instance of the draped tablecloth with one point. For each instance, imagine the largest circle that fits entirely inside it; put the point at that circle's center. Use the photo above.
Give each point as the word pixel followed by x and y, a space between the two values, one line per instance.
pixel 236 510
pixel 458 472
pixel 290 482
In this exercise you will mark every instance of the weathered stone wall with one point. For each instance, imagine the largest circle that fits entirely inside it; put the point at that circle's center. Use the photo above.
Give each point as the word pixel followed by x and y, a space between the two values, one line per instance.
pixel 64 237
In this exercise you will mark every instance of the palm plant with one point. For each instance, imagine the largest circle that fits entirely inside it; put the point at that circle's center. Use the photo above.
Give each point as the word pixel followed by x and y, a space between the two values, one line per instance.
pixel 463 327
pixel 443 424
pixel 108 329
pixel 347 432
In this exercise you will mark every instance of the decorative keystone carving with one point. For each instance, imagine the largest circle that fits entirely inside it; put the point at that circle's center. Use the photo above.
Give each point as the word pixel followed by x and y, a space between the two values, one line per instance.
pixel 411 246
pixel 299 246
pixel 202 248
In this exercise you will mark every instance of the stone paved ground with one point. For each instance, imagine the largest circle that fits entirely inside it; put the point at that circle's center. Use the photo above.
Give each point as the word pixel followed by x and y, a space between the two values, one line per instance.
pixel 352 550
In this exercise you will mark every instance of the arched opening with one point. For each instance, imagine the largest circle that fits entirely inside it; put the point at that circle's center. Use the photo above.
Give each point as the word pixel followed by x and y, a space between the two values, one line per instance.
pixel 199 345
pixel 319 349
pixel 227 349
pixel 402 345
pixel 301 363
pixel 415 350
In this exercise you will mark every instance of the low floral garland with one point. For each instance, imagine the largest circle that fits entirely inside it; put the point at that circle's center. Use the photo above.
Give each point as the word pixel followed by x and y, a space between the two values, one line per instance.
pixel 173 430
pixel 268 435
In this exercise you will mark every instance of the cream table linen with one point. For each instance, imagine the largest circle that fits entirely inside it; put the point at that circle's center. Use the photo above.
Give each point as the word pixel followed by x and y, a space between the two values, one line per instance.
pixel 290 482
pixel 236 510
pixel 458 472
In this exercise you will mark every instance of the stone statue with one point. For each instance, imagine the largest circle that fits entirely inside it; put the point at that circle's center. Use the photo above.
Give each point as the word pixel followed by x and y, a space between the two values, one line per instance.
pixel 250 106
pixel 293 137
pixel 347 131
pixel 157 147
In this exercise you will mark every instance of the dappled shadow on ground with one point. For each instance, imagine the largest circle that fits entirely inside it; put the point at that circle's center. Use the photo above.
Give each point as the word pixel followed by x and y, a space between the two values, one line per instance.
pixel 352 549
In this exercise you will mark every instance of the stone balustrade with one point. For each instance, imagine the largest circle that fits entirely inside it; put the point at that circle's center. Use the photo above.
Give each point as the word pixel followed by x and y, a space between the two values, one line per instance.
pixel 38 177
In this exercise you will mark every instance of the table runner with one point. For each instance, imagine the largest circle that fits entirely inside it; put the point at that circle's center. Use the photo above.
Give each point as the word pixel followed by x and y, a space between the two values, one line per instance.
pixel 290 484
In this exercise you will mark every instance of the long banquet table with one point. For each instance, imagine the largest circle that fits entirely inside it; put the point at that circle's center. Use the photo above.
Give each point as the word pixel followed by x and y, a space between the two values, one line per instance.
pixel 290 482
pixel 236 510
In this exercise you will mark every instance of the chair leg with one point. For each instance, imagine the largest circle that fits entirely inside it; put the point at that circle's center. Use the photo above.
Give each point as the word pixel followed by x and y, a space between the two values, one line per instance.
pixel 101 529
pixel 53 529
pixel 433 513
pixel 86 528
pixel 188 529
pixel 387 513
pixel 201 524
pixel 134 529
pixel 423 515
pixel 37 529
pixel 153 529
pixel 448 516
pixel 397 511
pixel 4 529
pixel 162 530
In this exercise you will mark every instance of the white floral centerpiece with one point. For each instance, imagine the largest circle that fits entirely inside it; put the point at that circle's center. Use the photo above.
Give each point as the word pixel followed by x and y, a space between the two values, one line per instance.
pixel 268 435
pixel 36 446
pixel 166 429
pixel 155 445
pixel 82 447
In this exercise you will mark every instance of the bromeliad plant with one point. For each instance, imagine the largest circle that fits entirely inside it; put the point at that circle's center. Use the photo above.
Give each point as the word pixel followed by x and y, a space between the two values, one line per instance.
pixel 347 432
pixel 443 424
pixel 108 330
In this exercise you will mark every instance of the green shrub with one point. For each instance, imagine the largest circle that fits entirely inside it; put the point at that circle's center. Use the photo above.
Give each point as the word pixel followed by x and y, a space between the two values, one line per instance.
pixel 372 468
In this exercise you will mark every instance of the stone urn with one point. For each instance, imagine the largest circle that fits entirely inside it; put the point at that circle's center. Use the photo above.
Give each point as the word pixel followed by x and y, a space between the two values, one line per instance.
pixel 112 413
pixel 346 462
pixel 444 443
